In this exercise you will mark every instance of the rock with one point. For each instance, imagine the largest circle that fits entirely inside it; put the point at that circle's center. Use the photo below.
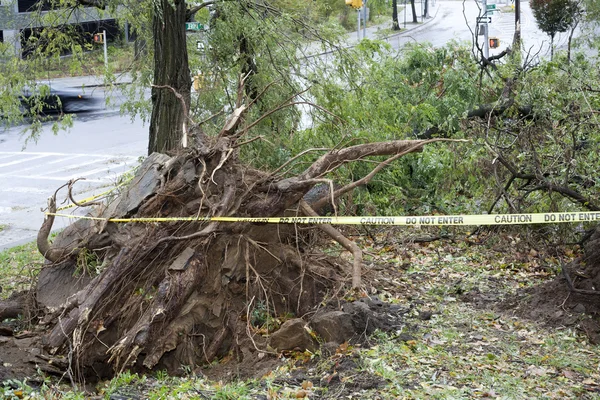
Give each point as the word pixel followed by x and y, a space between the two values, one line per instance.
pixel 579 308
pixel 145 183
pixel 333 326
pixel 373 302
pixel 329 349
pixel 293 335
pixel 356 308
pixel 425 315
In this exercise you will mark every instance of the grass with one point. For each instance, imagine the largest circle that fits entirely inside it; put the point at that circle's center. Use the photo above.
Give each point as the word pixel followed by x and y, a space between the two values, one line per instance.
pixel 18 266
pixel 460 352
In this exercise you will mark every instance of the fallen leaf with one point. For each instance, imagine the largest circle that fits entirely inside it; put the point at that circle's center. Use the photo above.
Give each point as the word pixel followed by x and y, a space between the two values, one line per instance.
pixel 569 374
pixel 307 385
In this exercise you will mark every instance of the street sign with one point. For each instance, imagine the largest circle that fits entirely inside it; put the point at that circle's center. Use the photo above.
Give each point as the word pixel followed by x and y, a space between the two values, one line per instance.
pixel 491 6
pixel 194 26
pixel 484 20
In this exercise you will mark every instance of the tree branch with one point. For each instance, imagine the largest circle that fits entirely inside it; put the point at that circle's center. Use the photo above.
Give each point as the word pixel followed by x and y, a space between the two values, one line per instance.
pixel 342 240
pixel 193 10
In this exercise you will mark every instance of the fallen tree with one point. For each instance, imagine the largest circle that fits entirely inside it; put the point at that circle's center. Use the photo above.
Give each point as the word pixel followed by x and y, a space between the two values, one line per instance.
pixel 179 293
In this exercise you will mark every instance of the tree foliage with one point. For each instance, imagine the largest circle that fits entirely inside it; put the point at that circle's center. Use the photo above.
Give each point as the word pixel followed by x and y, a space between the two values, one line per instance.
pixel 554 16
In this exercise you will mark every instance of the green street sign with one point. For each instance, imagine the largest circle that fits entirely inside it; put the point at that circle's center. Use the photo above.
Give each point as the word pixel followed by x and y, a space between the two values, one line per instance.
pixel 194 26
pixel 491 6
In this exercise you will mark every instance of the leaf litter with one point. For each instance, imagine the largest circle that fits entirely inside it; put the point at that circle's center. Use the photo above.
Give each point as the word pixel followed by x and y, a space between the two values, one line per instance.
pixel 456 341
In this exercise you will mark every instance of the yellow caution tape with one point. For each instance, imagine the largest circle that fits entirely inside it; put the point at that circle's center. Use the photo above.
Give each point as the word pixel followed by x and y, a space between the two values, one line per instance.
pixel 436 220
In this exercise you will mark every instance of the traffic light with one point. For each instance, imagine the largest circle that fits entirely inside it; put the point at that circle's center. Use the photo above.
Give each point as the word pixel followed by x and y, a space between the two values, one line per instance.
pixel 99 38
pixel 354 3
pixel 494 43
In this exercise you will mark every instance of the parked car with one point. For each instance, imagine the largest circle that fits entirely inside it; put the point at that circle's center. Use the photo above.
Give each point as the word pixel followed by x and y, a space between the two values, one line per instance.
pixel 55 99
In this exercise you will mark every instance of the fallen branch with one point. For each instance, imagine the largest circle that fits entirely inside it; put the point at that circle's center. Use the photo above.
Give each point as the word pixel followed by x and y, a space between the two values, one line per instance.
pixel 342 240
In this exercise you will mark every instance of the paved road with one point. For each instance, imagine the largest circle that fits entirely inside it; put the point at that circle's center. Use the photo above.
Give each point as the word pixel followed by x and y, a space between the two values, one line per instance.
pixel 100 146
pixel 456 20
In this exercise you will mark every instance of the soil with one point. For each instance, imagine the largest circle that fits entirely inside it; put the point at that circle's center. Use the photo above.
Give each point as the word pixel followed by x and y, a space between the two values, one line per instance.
pixel 550 303
pixel 15 357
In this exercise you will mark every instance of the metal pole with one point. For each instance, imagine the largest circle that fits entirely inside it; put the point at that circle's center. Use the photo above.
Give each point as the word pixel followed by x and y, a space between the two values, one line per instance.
pixel 105 50
pixel 517 38
pixel 486 42
pixel 365 19
pixel 404 14
pixel 358 29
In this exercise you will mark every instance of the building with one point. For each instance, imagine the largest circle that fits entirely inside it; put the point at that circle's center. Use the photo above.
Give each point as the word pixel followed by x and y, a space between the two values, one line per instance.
pixel 20 19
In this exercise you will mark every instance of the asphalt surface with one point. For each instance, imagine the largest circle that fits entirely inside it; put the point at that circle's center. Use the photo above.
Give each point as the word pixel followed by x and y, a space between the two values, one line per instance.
pixel 99 147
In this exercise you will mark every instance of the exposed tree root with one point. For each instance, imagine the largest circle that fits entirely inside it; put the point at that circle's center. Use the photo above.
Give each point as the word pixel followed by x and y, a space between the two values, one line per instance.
pixel 174 294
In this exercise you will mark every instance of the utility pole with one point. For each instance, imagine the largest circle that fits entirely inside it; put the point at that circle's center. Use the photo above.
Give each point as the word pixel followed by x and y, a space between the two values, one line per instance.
pixel 358 29
pixel 105 50
pixel 365 19
pixel 517 37
pixel 486 41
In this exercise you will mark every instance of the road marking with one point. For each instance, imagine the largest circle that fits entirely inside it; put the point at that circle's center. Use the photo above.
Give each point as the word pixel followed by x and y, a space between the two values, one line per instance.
pixel 112 165
pixel 33 153
pixel 73 167
pixel 23 189
pixel 35 167
pixel 22 161
pixel 97 170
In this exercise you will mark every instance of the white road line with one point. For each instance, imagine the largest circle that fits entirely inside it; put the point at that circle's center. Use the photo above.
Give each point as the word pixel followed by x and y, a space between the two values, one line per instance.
pixel 62 179
pixel 37 167
pixel 22 160
pixel 32 153
pixel 65 159
pixel 95 171
pixel 23 189
pixel 73 167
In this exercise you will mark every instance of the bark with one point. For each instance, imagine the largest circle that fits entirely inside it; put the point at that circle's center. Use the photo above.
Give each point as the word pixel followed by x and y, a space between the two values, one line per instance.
pixel 171 70
pixel 414 11
pixel 395 25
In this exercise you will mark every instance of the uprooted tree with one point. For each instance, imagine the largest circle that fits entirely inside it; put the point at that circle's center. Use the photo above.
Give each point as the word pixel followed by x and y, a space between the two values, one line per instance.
pixel 122 294
pixel 184 289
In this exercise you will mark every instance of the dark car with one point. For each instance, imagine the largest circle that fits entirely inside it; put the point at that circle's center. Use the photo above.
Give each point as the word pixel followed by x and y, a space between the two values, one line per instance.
pixel 53 99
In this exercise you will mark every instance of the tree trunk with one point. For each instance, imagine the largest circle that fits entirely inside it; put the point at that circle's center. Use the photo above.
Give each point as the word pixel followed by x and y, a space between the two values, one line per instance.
pixel 425 9
pixel 171 74
pixel 414 11
pixel 395 25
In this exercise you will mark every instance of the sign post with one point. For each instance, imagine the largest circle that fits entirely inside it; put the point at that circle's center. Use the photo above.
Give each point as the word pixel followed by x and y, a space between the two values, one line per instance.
pixel 486 49
pixel 105 49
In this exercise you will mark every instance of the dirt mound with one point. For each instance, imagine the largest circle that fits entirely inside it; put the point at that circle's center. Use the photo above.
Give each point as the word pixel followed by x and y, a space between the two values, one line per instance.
pixel 571 299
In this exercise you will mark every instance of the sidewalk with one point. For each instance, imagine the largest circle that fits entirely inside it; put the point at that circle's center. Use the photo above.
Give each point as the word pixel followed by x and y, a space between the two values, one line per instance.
pixel 375 32
pixel 411 27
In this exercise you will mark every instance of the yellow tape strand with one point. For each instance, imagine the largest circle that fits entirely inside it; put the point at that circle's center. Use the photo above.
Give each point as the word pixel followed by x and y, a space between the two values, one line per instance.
pixel 436 220
pixel 92 198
